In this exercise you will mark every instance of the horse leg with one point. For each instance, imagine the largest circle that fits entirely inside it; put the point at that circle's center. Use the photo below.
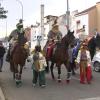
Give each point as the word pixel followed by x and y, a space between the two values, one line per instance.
pixel 12 69
pixel 68 68
pixel 68 74
pixel 47 67
pixel 51 68
pixel 59 72
pixel 20 73
pixel 73 68
pixel 16 74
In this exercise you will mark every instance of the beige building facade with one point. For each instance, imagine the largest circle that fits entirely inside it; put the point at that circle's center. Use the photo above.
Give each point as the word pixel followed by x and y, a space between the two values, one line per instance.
pixel 93 21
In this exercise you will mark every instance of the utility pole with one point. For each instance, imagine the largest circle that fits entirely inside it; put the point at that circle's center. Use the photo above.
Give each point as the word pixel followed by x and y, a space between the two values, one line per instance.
pixel 42 20
pixel 40 38
pixel 21 7
pixel 67 15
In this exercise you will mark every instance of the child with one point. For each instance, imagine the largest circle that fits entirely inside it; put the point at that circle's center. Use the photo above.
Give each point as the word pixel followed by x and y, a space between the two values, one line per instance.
pixel 39 64
pixel 84 61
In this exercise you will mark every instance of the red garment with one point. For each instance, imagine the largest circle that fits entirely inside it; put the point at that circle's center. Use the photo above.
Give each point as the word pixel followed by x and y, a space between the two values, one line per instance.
pixel 50 50
pixel 85 72
pixel 88 73
pixel 82 73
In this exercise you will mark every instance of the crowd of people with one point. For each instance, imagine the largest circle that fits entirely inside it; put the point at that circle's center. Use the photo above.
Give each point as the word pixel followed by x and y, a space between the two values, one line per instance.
pixel 79 55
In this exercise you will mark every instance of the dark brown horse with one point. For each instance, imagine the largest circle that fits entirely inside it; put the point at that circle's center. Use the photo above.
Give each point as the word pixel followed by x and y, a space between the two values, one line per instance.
pixel 60 56
pixel 19 53
pixel 17 62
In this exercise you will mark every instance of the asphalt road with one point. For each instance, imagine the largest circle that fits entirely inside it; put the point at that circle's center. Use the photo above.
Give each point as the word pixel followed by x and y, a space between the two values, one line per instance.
pixel 53 90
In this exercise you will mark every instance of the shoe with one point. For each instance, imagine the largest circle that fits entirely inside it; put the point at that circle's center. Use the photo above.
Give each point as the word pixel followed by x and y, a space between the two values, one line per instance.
pixel 89 82
pixel 82 82
pixel 33 84
pixel 0 70
pixel 43 86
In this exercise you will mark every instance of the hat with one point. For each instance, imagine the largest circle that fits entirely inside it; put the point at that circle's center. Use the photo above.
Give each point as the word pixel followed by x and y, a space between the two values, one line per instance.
pixel 20 21
pixel 19 25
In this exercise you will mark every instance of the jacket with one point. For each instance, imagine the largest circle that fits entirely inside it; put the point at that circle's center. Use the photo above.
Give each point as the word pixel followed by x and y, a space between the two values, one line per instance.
pixel 2 51
pixel 78 59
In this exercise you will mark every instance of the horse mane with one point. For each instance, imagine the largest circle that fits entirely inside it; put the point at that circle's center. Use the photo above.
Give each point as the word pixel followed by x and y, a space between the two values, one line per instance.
pixel 66 39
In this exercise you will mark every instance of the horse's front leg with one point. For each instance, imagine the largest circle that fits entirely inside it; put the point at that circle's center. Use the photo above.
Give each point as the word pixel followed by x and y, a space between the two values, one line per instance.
pixel 47 68
pixel 20 74
pixel 68 67
pixel 51 68
pixel 59 73
pixel 16 74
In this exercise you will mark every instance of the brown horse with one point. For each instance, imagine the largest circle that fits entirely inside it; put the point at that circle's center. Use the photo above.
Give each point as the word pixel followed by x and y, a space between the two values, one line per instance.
pixel 17 61
pixel 60 56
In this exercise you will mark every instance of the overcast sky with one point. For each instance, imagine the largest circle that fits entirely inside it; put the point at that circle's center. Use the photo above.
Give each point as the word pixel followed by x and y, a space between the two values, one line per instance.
pixel 31 11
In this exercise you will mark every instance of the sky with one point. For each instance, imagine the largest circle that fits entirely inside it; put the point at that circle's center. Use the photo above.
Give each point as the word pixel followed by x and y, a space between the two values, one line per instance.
pixel 31 11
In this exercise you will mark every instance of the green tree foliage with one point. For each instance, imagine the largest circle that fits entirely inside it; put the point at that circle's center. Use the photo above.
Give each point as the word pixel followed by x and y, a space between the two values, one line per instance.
pixel 3 13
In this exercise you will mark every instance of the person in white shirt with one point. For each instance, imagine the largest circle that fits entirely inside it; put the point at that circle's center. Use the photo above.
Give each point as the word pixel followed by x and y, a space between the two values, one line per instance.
pixel 83 60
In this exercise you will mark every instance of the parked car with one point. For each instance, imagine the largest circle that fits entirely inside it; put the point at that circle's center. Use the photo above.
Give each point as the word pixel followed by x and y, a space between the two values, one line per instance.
pixel 96 61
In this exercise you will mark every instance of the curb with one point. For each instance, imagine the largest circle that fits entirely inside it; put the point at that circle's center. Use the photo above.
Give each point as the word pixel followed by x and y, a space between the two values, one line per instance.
pixel 1 95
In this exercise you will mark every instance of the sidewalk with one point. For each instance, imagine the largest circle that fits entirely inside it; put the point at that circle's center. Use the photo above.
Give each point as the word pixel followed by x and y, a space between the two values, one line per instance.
pixel 1 95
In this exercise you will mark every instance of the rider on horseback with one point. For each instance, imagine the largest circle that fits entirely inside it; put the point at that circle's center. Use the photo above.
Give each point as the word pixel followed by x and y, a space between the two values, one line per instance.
pixel 54 36
pixel 54 33
pixel 16 36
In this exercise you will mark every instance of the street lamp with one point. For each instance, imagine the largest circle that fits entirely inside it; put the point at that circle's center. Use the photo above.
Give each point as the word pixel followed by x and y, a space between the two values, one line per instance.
pixel 21 6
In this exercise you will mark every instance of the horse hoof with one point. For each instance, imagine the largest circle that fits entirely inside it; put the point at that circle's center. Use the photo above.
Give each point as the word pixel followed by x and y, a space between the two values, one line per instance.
pixel 68 81
pixel 53 78
pixel 59 80
pixel 18 84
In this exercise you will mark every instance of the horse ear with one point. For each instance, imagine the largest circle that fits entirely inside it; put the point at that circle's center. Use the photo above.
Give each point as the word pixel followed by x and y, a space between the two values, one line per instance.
pixel 68 32
pixel 73 32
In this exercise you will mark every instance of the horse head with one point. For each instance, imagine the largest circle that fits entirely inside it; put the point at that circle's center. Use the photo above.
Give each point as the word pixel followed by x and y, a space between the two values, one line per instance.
pixel 69 38
pixel 27 33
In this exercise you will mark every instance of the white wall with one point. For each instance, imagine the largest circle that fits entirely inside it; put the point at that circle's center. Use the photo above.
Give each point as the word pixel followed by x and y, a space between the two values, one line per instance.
pixel 83 21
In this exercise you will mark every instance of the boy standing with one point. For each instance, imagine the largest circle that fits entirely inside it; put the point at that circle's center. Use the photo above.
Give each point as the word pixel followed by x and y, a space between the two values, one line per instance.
pixel 39 64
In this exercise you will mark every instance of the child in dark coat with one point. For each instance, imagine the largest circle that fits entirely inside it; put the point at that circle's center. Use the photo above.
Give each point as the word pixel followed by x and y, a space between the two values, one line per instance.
pixel 39 64
pixel 2 52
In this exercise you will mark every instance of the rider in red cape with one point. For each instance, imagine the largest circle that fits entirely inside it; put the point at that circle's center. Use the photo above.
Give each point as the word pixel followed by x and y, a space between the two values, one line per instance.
pixel 54 36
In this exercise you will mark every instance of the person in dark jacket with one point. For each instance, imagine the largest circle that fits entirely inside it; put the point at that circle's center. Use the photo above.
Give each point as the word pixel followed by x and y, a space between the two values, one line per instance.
pixel 2 52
